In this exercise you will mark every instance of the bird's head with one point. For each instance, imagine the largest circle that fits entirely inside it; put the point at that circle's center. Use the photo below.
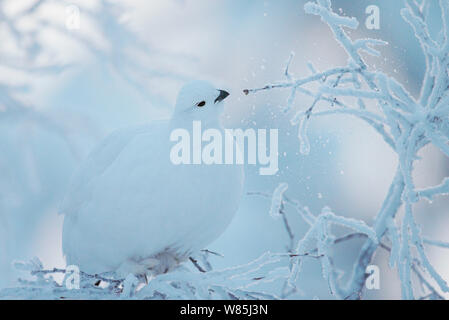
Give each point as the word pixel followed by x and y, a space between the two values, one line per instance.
pixel 199 100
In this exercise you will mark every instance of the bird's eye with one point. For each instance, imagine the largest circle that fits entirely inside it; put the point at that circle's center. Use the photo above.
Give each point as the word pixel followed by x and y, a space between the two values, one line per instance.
pixel 201 104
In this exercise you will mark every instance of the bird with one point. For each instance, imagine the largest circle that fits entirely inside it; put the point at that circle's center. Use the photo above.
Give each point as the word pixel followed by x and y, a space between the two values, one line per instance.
pixel 130 210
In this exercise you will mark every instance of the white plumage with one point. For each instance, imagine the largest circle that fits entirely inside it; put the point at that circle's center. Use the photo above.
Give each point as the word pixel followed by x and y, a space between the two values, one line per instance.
pixel 131 210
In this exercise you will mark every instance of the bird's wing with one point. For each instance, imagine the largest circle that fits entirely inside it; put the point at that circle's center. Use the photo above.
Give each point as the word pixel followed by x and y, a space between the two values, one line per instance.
pixel 96 163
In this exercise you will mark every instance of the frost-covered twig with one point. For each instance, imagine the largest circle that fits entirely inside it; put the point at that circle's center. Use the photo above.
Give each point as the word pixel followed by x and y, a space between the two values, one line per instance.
pixel 239 282
pixel 405 123
pixel 319 234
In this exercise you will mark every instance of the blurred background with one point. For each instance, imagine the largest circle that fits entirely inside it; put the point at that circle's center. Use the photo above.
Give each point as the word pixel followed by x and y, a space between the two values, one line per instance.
pixel 72 72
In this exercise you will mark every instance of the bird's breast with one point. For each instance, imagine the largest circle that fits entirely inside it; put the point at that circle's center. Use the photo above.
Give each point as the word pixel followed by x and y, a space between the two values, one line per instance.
pixel 209 197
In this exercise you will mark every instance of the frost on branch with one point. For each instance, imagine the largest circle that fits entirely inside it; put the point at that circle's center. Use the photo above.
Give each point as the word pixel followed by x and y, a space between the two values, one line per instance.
pixel 405 123
pixel 320 235
pixel 239 282
pixel 276 200
pixel 318 240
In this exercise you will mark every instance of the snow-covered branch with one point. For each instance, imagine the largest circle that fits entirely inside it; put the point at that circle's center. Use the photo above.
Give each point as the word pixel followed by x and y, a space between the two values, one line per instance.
pixel 238 282
pixel 406 124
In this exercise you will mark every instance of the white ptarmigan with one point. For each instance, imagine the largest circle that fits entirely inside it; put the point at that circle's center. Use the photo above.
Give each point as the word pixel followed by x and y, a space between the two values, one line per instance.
pixel 129 209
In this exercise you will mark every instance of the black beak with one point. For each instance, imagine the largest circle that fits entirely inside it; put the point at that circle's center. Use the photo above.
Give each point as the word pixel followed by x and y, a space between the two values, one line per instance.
pixel 223 94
